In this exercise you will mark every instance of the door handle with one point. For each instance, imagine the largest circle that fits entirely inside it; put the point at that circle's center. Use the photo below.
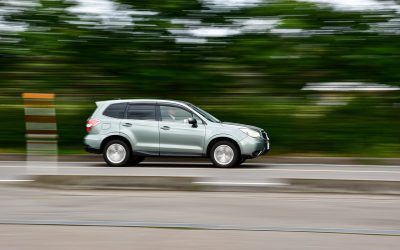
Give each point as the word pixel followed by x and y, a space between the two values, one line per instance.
pixel 127 124
pixel 165 127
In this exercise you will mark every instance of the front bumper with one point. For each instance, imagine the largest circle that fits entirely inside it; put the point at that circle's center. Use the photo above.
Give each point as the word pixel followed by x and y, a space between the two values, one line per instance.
pixel 254 147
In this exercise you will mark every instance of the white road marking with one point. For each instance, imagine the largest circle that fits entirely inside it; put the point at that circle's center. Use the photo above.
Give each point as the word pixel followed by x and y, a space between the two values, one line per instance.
pixel 12 180
pixel 233 183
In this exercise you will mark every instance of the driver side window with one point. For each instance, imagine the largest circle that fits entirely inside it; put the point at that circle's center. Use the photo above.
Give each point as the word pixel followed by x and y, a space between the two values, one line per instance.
pixel 174 114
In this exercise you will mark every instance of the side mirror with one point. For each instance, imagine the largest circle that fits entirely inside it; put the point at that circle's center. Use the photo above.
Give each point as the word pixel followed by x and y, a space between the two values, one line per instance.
pixel 192 121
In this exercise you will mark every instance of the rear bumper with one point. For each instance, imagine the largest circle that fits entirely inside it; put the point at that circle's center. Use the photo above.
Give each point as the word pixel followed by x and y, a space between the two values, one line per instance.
pixel 92 143
pixel 92 150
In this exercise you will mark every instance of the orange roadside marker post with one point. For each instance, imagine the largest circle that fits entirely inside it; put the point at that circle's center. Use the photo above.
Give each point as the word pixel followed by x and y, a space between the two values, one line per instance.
pixel 41 132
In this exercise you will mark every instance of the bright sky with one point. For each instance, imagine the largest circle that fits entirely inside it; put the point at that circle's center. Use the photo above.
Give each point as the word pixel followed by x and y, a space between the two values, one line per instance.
pixel 109 13
pixel 357 5
pixel 106 12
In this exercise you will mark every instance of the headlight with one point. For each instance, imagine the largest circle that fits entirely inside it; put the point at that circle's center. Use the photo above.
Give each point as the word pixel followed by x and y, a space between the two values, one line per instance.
pixel 251 132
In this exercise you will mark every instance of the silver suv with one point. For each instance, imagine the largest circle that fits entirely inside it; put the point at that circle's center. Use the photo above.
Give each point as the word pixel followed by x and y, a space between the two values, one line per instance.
pixel 127 131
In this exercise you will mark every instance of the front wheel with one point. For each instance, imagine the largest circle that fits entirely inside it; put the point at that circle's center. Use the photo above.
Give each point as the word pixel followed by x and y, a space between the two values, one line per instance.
pixel 117 153
pixel 224 154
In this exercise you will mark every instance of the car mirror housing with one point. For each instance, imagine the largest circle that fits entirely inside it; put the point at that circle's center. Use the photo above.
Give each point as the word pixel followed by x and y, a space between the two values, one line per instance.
pixel 192 121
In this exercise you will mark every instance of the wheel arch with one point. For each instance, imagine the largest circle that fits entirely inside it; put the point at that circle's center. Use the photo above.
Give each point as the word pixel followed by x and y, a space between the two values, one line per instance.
pixel 114 137
pixel 222 138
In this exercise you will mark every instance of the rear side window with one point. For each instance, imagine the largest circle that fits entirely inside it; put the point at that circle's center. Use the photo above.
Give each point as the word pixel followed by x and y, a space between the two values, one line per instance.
pixel 141 112
pixel 116 110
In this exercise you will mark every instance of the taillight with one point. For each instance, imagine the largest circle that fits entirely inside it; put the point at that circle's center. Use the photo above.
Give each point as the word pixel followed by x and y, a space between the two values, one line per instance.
pixel 90 124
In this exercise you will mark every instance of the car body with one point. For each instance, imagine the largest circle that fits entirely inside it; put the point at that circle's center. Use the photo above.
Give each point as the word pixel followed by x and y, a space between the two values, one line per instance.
pixel 139 128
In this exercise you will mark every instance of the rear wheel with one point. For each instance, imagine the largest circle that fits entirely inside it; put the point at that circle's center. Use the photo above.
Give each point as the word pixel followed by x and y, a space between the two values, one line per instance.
pixel 117 153
pixel 224 154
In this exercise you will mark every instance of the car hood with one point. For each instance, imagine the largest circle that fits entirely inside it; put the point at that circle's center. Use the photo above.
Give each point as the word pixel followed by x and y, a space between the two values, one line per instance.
pixel 238 125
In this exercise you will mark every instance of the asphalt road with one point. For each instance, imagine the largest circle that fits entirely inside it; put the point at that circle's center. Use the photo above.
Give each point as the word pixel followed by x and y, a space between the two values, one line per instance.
pixel 104 238
pixel 256 172
pixel 63 219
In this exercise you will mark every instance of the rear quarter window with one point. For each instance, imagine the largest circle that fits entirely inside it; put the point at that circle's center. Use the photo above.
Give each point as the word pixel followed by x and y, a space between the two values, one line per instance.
pixel 116 110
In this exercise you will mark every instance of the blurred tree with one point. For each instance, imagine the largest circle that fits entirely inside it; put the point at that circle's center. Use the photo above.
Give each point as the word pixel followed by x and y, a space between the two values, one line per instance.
pixel 255 58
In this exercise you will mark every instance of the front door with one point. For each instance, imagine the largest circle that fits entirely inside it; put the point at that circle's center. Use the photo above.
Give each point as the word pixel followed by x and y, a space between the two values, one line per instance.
pixel 177 136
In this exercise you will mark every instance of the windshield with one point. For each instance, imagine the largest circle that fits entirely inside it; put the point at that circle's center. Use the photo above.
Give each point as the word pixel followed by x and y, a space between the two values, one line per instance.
pixel 204 113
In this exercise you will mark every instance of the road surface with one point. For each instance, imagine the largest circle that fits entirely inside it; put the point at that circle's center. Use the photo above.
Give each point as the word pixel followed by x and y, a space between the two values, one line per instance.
pixel 32 218
pixel 104 238
pixel 247 173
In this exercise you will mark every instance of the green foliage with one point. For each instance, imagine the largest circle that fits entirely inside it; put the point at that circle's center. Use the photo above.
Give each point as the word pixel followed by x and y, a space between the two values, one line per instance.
pixel 252 76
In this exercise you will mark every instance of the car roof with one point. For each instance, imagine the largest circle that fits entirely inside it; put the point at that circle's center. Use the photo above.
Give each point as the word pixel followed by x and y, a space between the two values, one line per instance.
pixel 141 101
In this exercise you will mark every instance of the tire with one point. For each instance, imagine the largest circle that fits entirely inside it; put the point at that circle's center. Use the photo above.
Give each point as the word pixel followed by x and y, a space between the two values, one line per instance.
pixel 230 154
pixel 117 153
pixel 135 160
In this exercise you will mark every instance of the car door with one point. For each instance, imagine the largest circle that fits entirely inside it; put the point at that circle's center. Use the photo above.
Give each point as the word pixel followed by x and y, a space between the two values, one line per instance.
pixel 177 136
pixel 141 126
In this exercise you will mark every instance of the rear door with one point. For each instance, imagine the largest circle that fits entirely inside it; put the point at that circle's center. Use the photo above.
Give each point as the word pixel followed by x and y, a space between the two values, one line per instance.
pixel 111 117
pixel 177 136
pixel 141 126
